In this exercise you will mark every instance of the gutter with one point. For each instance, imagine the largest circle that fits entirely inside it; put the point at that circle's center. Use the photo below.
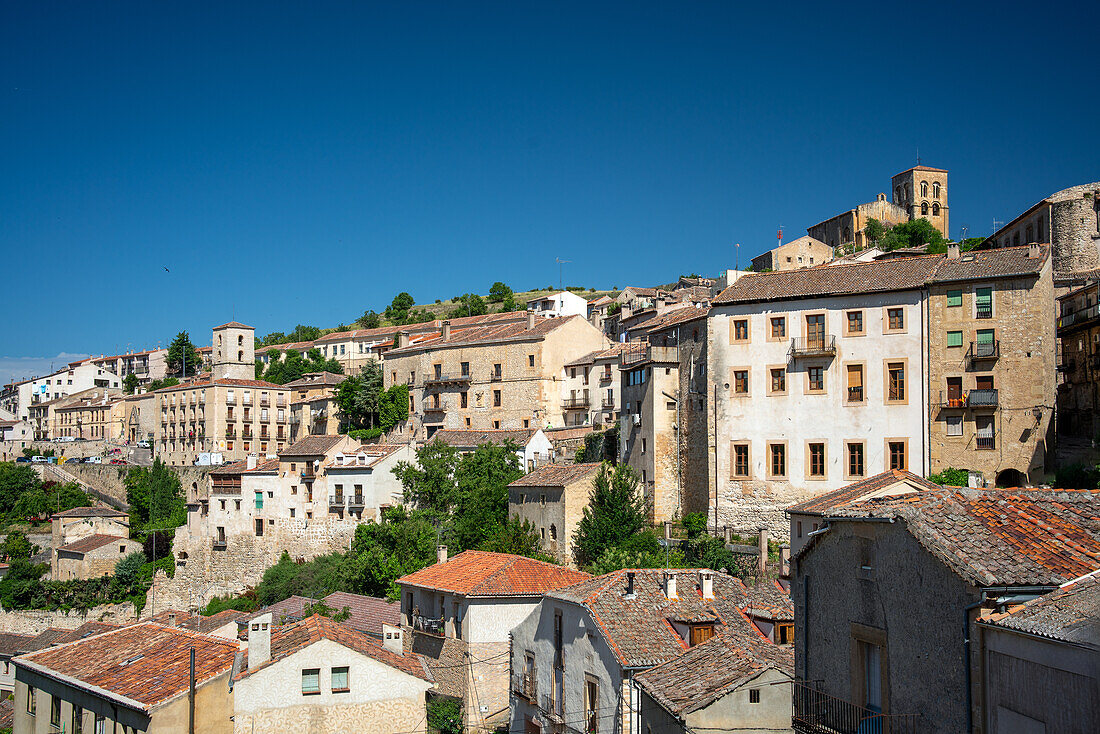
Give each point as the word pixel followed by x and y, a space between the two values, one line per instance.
pixel 77 683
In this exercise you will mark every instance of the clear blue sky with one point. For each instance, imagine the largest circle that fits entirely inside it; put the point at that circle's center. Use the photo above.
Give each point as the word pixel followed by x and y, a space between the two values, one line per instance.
pixel 303 162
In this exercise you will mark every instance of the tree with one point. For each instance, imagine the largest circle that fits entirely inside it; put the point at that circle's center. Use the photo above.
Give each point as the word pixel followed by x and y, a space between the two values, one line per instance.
pixel 469 304
pixel 155 497
pixel 130 384
pixel 481 480
pixel 16 547
pixel 359 396
pixel 445 715
pixel 914 233
pixel 951 477
pixel 499 292
pixel 398 309
pixel 509 304
pixel 166 382
pixel 15 481
pixel 429 483
pixel 393 406
pixel 615 512
pixel 181 349
pixel 128 569
pixel 369 320
pixel 874 231
pixel 303 333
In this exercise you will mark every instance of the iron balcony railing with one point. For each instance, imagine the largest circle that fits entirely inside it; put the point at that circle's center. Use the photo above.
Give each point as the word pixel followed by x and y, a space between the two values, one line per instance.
pixel 1079 317
pixel 814 346
pixel 981 399
pixel 495 377
pixel 607 404
pixel 356 500
pixel 336 500
pixel 979 350
pixel 986 442
pixel 983 312
pixel 574 402
pixel 816 712
pixel 431 626
pixel 444 379
pixel 524 685
pixel 434 408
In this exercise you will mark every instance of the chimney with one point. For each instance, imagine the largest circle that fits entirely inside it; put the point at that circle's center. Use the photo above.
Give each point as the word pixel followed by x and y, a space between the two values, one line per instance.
pixel 250 462
pixel 953 251
pixel 706 584
pixel 785 560
pixel 259 640
pixel 670 585
pixel 668 529
pixel 441 554
pixel 1033 250
pixel 762 565
pixel 629 585
pixel 401 339
pixel 171 619
pixel 530 320
pixel 446 330
pixel 727 534
pixel 392 639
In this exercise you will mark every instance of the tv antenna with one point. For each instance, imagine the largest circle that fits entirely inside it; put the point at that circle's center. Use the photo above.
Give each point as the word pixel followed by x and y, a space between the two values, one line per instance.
pixel 737 256
pixel 560 262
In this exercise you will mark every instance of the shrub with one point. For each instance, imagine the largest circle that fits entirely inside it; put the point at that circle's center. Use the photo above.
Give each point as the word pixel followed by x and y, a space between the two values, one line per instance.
pixel 695 523
pixel 951 477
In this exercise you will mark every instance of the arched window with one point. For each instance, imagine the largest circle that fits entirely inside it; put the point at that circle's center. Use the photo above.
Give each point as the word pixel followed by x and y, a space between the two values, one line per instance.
pixel 935 209
pixel 240 356
pixel 924 188
pixel 847 234
pixel 240 340
pixel 908 193
pixel 1042 230
pixel 897 194
pixel 936 190
pixel 924 208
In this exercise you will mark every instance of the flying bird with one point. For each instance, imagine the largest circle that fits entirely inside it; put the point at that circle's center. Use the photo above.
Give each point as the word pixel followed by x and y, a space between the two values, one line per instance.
pixel 166 269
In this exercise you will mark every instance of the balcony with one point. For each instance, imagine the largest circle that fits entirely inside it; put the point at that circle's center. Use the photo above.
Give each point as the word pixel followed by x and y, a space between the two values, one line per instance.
pixel 985 443
pixel 496 377
pixel 606 404
pixel 265 402
pixel 983 312
pixel 981 399
pixel 219 544
pixel 1079 318
pixel 816 712
pixel 574 403
pixel 231 435
pixel 434 408
pixel 356 501
pixel 605 377
pixel 982 351
pixel 649 354
pixel 336 500
pixel 819 346
pixel 855 394
pixel 525 686
pixel 429 625
pixel 230 400
pixel 447 380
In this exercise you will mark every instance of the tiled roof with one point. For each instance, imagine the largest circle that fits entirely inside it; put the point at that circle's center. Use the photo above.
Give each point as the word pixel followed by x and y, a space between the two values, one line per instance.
pixel 1070 614
pixel 12 644
pixel 90 543
pixel 1015 537
pixel 232 325
pixel 7 712
pixel 291 638
pixel 145 663
pixel 567 433
pixel 376 452
pixel 706 672
pixel 675 317
pixel 641 291
pixel 311 446
pixel 768 600
pixel 233 467
pixel 481 573
pixel 288 610
pixel 322 379
pixel 197 622
pixel 906 273
pixel 556 475
pixel 264 467
pixel 460 438
pixel 44 639
pixel 923 168
pixel 491 334
pixel 611 353
pixel 904 482
pixel 368 614
pixel 638 628
pixel 88 629
pixel 91 512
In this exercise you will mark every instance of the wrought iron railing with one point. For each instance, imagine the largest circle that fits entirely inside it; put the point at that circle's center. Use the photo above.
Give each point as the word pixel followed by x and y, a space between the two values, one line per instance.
pixel 574 402
pixel 816 712
pixel 981 399
pixel 525 685
pixel 429 625
pixel 984 350
pixel 814 346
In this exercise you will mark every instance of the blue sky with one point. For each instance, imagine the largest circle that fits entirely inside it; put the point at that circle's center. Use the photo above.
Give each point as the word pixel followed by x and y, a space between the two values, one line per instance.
pixel 303 162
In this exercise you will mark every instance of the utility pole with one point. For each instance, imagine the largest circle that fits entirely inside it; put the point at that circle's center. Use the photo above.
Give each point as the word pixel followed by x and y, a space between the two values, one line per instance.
pixel 560 262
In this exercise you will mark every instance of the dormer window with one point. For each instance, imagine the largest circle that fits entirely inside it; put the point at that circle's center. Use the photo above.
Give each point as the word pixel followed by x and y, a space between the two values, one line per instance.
pixel 700 633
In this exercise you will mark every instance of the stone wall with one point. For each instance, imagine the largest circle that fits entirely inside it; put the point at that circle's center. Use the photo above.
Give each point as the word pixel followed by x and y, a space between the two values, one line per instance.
pixel 109 479
pixel 11 450
pixel 33 621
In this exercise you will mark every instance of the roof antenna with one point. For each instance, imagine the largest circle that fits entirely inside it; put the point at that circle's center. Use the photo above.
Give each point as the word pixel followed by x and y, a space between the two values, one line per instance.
pixel 737 256
pixel 560 262
pixel 918 156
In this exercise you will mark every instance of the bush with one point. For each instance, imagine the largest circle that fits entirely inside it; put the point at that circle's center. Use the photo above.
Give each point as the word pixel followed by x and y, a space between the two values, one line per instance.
pixel 1077 476
pixel 365 434
pixel 951 477
pixel 128 570
pixel 695 523
pixel 246 602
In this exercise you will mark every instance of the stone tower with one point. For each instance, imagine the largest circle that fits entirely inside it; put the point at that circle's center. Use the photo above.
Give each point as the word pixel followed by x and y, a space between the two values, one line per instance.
pixel 234 352
pixel 922 192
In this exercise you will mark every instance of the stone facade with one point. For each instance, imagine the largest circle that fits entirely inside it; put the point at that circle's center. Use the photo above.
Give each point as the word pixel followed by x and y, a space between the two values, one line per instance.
pixel 648 429
pixel 93 562
pixel 991 348
pixel 1079 363
pixel 553 499
pixel 922 192
pixel 801 253
pixel 93 416
pixel 1068 220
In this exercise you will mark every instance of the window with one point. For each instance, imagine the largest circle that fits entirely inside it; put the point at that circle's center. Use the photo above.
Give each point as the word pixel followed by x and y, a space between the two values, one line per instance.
pixel 740 330
pixel 741 382
pixel 954 425
pixel 496 398
pixel 784 634
pixel 935 189
pixel 591 704
pixel 311 681
pixel 340 680
pixel 924 188
pixel 530 360
pixel 924 208
pixel 855 383
pixel 935 209
pixel 896 378
pixel 779 380
pixel 464 399
pixel 31 701
pixel 897 455
pixel 740 463
pixel 78 720
pixel 778 327
pixel 855 460
pixel 754 695
pixel 496 371
pixel 259 500
pixel 983 426
pixel 55 711
pixel 815 377
pixel 259 527
pixel 700 633
pixel 100 724
pixel 778 459
pixel 817 460
pixel 855 323
pixel 983 303
pixel 954 392
pixel 496 425
pixel 954 339
pixel 895 318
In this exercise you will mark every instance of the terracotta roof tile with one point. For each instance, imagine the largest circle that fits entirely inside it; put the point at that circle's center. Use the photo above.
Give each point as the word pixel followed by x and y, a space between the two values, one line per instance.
pixel 556 475
pixel 368 613
pixel 91 542
pixel 91 512
pixel 1070 614
pixel 12 644
pixel 232 325
pixel 491 334
pixel 88 629
pixel 481 573
pixel 461 438
pixel 322 379
pixel 612 353
pixel 858 490
pixel 311 446
pixel 147 663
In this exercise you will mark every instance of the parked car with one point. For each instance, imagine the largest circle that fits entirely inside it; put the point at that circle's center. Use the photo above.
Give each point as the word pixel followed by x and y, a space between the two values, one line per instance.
pixel 116 461
pixel 39 460
pixel 143 444
pixel 22 460
pixel 93 460
pixel 65 439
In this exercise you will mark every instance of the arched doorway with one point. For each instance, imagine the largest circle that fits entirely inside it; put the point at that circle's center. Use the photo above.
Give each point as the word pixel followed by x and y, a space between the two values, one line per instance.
pixel 1011 478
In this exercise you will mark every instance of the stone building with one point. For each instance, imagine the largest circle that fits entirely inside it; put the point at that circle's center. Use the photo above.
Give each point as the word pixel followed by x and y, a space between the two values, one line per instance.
pixel 317 675
pixel 1079 362
pixel 89 417
pixel 504 376
pixel 888 592
pixel 1068 220
pixel 590 387
pixel 133 679
pixel 458 613
pixel 803 252
pixel 137 416
pixel 71 527
pixel 552 498
pixel 77 377
pixel 991 352
pixel 92 556
pixel 533 448
pixel 226 412
pixel 313 408
pixel 1041 662
pixel 846 230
